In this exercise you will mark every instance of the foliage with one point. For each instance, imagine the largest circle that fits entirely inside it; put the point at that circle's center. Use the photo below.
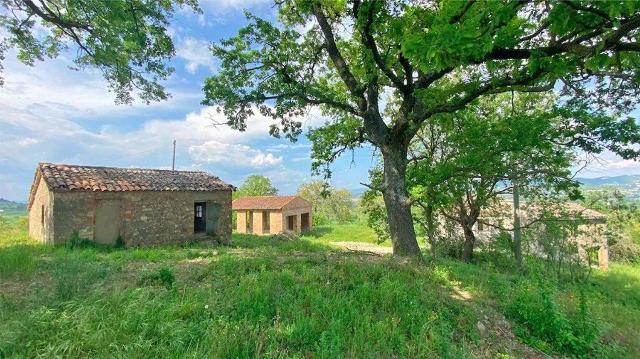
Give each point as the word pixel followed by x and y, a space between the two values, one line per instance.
pixel 330 204
pixel 127 40
pixel 256 185
pixel 163 276
pixel 426 61
pixel 373 206
pixel 545 325
pixel 623 223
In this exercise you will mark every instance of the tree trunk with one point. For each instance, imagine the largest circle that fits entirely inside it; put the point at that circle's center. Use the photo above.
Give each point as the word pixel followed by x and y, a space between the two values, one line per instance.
pixel 469 241
pixel 517 230
pixel 398 204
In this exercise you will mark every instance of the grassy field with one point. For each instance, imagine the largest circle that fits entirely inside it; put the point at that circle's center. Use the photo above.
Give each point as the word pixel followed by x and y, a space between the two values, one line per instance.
pixel 271 298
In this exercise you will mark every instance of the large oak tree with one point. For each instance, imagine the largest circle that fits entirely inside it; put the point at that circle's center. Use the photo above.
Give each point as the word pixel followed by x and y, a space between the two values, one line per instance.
pixel 352 58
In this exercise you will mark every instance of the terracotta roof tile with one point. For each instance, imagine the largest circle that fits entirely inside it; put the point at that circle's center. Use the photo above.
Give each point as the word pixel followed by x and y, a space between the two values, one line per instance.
pixel 61 177
pixel 262 202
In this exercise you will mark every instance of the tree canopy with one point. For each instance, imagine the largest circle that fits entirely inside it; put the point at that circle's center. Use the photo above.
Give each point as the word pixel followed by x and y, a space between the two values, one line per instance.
pixel 127 40
pixel 330 204
pixel 361 60
pixel 256 185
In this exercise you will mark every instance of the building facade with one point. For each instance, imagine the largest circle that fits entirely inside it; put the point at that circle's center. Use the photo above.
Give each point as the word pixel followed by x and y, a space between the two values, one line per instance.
pixel 581 226
pixel 137 206
pixel 266 215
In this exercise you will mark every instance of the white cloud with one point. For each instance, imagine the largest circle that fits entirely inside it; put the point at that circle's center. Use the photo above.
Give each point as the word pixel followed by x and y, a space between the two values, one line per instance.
pixel 51 86
pixel 605 164
pixel 196 54
pixel 215 152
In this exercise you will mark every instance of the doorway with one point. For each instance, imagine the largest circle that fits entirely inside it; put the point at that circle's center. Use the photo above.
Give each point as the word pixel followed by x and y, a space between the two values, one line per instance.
pixel 291 223
pixel 199 217
pixel 304 221
pixel 266 223
pixel 107 221
pixel 249 221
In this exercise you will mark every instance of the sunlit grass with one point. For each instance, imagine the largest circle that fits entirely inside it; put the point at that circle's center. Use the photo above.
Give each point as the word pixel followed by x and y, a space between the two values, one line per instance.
pixel 265 297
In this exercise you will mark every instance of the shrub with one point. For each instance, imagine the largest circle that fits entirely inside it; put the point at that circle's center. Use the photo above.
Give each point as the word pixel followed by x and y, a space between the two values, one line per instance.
pixel 119 242
pixel 625 250
pixel 164 276
pixel 77 242
pixel 543 324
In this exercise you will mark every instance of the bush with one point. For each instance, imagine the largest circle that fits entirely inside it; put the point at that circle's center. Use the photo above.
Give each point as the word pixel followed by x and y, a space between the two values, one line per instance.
pixel 77 242
pixel 543 324
pixel 625 251
pixel 164 276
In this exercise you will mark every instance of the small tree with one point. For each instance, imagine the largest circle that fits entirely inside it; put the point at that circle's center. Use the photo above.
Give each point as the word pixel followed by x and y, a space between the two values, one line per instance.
pixel 256 185
pixel 330 204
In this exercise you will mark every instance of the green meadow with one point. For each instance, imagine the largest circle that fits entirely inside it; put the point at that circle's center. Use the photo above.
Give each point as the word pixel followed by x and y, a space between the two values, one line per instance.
pixel 265 297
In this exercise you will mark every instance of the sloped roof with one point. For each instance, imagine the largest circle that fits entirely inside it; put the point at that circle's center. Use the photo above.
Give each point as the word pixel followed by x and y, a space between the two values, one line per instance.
pixel 265 202
pixel 62 177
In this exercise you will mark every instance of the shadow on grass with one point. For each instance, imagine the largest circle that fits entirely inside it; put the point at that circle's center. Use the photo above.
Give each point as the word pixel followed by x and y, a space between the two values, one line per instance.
pixel 275 244
pixel 317 232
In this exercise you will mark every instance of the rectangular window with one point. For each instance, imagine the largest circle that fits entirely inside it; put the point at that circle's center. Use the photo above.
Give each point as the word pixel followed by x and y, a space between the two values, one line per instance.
pixel 42 215
pixel 480 226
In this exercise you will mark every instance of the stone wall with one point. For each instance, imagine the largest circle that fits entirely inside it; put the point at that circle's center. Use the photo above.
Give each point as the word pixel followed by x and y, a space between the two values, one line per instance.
pixel 39 216
pixel 147 218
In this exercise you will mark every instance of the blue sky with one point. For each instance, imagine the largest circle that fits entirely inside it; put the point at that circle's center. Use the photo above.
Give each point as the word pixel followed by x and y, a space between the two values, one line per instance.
pixel 50 113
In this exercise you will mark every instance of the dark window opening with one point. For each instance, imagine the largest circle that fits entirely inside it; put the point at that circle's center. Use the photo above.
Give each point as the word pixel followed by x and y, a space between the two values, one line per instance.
pixel 249 221
pixel 291 223
pixel 42 214
pixel 199 220
pixel 304 221
pixel 266 224
pixel 480 226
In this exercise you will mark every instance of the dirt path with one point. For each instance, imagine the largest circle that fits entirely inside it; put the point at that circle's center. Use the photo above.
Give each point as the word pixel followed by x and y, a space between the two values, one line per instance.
pixel 364 247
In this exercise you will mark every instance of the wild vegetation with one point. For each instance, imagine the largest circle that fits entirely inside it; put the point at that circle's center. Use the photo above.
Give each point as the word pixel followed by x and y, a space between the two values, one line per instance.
pixel 273 298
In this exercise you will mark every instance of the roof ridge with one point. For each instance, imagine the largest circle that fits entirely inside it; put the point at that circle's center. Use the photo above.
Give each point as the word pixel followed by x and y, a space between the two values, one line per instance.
pixel 121 168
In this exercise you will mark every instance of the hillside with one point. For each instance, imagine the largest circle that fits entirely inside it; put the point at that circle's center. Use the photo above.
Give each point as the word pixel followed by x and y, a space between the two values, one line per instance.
pixel 266 297
pixel 10 207
pixel 628 185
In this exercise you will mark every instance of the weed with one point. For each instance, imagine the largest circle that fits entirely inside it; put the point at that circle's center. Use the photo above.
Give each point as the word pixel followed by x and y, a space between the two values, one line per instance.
pixel 544 324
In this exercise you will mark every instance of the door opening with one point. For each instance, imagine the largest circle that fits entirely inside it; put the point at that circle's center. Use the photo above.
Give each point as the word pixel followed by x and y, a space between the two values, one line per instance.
pixel 199 217
pixel 266 223
pixel 304 221
pixel 291 223
pixel 249 221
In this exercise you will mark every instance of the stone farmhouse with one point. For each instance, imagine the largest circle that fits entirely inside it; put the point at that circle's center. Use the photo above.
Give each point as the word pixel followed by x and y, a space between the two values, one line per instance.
pixel 265 215
pixel 588 227
pixel 139 206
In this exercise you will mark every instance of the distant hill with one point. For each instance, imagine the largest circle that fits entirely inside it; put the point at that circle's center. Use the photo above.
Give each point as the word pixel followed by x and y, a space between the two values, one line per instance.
pixel 11 207
pixel 624 180
pixel 628 185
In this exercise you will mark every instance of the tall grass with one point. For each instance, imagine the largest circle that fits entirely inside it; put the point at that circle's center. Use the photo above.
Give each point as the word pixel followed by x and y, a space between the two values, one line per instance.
pixel 264 297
